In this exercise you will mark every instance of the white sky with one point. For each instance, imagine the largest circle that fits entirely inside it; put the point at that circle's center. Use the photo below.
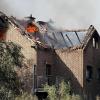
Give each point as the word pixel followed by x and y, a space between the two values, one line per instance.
pixel 65 13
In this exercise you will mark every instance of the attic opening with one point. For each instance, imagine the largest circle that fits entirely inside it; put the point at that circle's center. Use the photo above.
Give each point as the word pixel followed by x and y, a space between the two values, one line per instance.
pixel 95 41
pixel 89 73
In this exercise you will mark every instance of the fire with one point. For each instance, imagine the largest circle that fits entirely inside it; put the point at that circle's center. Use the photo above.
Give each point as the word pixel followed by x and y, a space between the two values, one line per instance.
pixel 31 28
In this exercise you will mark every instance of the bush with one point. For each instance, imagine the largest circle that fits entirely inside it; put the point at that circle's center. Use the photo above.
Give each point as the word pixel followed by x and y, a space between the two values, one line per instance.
pixel 52 92
pixel 62 92
pixel 6 94
pixel 26 96
pixel 76 97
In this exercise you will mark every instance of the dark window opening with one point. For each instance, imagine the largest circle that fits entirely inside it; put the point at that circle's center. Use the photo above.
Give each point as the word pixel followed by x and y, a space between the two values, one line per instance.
pixel 89 73
pixel 34 69
pixel 48 69
pixel 48 74
pixel 95 42
pixel 98 73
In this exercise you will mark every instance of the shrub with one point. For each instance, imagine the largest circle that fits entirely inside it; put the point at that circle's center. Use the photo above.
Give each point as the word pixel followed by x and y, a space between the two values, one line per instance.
pixel 6 94
pixel 62 92
pixel 52 92
pixel 26 96
pixel 76 97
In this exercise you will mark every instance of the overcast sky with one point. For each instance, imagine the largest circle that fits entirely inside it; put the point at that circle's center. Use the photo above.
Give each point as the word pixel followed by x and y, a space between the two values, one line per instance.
pixel 68 14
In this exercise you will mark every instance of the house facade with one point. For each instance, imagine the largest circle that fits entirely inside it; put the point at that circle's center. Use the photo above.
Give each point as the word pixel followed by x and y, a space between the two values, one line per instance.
pixel 80 66
pixel 72 55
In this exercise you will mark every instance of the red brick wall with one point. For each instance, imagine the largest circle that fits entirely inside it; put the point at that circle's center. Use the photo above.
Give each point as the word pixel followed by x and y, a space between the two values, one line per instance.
pixel 44 57
pixel 92 58
pixel 69 64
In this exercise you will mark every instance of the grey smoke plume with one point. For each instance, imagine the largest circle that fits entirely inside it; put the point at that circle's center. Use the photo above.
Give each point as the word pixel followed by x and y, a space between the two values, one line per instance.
pixel 65 13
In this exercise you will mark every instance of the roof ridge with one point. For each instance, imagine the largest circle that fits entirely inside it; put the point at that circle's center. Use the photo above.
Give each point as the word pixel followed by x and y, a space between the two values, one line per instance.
pixel 88 34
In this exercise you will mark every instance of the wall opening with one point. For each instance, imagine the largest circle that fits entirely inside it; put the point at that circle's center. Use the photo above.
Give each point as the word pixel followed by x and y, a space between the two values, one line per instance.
pixel 95 42
pixel 98 73
pixel 89 73
pixel 49 74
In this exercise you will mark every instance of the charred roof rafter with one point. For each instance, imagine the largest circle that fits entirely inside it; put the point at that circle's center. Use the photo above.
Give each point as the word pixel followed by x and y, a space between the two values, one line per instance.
pixel 78 37
pixel 63 39
pixel 69 40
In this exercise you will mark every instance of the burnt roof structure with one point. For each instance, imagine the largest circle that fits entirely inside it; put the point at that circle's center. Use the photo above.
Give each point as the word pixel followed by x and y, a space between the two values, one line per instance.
pixel 62 39
pixel 52 37
pixel 31 17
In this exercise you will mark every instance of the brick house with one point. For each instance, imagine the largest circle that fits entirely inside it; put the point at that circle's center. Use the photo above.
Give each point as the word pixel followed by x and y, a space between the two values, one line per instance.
pixel 72 55
pixel 80 65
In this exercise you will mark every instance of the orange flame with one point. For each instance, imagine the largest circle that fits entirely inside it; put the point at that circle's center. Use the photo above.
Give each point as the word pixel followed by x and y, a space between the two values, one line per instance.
pixel 31 28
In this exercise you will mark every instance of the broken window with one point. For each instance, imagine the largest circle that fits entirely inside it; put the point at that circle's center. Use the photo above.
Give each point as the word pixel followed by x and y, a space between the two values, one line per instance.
pixel 95 42
pixel 98 73
pixel 89 73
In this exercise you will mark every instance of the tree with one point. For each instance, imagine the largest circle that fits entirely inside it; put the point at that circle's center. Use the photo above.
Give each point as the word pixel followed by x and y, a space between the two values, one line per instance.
pixel 10 57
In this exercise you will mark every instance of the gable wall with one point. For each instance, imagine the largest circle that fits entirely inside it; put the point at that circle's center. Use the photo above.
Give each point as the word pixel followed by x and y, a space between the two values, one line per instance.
pixel 69 64
pixel 92 58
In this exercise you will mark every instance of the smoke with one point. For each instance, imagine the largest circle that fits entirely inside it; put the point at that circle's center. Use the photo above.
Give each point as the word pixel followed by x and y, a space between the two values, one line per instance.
pixel 76 13
pixel 65 13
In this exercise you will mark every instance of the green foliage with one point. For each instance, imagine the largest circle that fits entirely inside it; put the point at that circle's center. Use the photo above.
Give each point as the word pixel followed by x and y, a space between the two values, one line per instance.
pixel 26 96
pixel 10 53
pixel 64 88
pixel 60 93
pixel 76 97
pixel 52 92
pixel 10 57
pixel 6 94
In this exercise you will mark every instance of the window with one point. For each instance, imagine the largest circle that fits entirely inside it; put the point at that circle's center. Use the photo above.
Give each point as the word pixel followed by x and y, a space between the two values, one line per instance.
pixel 48 74
pixel 98 73
pixel 95 42
pixel 48 69
pixel 89 73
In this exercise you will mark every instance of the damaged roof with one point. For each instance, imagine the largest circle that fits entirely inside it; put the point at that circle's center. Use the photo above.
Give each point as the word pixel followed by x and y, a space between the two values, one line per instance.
pixel 69 38
pixel 48 36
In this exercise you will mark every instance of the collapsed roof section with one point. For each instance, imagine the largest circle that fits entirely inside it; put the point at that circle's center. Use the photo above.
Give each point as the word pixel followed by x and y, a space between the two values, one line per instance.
pixel 48 36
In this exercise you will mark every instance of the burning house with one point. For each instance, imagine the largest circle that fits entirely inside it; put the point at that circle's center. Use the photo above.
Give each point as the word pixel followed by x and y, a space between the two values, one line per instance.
pixel 52 55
